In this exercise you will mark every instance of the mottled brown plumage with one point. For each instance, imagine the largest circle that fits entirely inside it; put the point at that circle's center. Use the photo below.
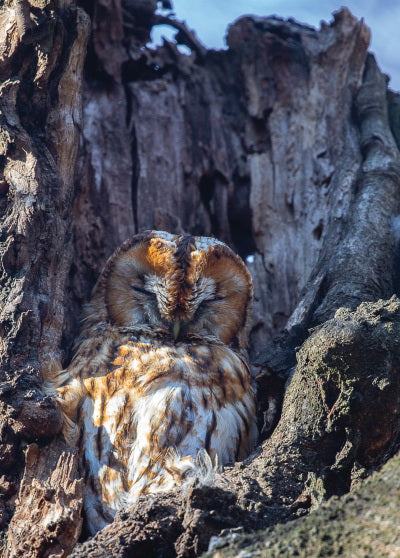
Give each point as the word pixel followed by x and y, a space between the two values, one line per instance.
pixel 160 379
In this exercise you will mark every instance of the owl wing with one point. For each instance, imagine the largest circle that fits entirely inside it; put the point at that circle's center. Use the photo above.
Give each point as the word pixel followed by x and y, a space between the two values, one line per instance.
pixel 219 402
pixel 68 386
pixel 232 431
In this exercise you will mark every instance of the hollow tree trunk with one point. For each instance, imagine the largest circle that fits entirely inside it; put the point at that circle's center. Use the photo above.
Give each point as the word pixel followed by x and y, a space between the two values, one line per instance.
pixel 283 146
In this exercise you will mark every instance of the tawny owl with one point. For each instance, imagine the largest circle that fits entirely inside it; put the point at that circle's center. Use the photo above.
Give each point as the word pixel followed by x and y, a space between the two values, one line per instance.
pixel 160 371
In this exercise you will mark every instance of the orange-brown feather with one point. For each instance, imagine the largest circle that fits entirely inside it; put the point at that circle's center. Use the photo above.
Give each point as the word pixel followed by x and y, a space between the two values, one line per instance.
pixel 148 402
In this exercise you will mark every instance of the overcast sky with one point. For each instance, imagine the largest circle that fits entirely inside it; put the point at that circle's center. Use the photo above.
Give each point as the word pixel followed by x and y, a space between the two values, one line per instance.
pixel 210 18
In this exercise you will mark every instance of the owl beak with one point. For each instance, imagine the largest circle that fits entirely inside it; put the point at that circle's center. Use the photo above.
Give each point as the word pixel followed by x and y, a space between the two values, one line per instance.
pixel 176 329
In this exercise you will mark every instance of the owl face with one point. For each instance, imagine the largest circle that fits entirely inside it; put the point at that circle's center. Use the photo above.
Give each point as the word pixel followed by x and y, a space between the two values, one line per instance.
pixel 180 284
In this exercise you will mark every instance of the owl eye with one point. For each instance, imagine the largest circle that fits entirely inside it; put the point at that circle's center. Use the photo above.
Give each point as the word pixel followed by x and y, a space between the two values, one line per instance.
pixel 217 298
pixel 141 290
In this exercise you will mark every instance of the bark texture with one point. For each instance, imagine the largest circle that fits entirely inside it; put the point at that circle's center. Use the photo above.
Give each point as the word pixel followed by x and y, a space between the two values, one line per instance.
pixel 362 523
pixel 43 49
pixel 283 146
pixel 54 504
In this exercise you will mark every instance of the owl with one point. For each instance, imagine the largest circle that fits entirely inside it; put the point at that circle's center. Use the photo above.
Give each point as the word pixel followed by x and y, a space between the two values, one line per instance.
pixel 160 375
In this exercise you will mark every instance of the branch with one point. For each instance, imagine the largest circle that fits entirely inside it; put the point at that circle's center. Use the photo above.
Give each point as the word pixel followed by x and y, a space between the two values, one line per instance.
pixel 184 36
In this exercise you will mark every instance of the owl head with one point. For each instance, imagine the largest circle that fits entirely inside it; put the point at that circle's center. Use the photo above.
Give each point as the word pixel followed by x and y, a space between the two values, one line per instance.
pixel 180 284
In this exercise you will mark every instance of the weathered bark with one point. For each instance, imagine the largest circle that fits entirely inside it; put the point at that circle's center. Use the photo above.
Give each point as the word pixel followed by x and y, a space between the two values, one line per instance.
pixel 53 502
pixel 282 147
pixel 40 114
pixel 360 524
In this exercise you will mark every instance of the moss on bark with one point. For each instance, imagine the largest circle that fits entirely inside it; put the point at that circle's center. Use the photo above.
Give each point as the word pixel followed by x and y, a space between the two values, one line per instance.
pixel 363 523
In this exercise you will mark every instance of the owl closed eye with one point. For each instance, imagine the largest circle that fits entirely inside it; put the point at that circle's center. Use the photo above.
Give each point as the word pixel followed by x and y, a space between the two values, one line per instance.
pixel 160 373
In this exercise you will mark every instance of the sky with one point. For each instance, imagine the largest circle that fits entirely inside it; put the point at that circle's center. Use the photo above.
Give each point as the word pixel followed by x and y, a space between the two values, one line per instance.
pixel 210 19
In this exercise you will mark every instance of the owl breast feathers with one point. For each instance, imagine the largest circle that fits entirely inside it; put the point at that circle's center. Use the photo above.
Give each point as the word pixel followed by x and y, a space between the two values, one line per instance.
pixel 160 373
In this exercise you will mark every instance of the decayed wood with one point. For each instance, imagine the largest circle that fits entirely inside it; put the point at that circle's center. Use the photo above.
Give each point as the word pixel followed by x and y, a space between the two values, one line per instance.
pixel 102 213
pixel 41 63
pixel 271 174
pixel 22 16
pixel 360 266
pixel 263 172
pixel 47 519
pixel 184 36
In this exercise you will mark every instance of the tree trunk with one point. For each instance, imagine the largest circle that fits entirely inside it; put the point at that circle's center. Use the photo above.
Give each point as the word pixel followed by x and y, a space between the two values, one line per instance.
pixel 283 146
